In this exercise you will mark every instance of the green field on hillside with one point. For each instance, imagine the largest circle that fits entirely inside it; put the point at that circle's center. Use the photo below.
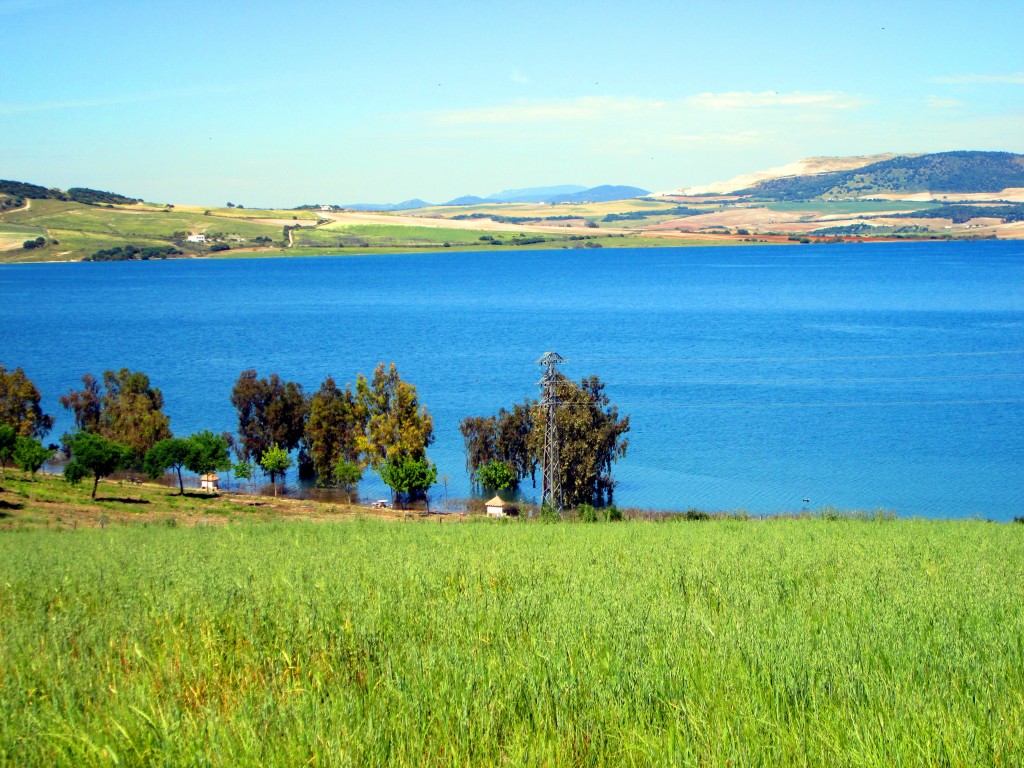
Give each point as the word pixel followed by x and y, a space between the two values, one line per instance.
pixel 542 210
pixel 396 235
pixel 54 214
pixel 784 642
pixel 849 206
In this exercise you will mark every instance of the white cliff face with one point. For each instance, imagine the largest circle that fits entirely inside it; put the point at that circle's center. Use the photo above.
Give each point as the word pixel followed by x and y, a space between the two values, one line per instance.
pixel 799 168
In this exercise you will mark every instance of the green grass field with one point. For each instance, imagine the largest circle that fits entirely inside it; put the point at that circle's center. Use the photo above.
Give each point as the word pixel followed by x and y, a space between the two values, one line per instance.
pixel 54 214
pixel 367 642
pixel 852 207
pixel 583 210
pixel 84 229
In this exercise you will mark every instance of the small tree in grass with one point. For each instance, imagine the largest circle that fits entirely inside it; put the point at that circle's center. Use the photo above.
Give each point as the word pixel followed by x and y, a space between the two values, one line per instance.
pixel 207 453
pixel 167 454
pixel 94 455
pixel 30 454
pixel 244 470
pixel 275 461
pixel 201 453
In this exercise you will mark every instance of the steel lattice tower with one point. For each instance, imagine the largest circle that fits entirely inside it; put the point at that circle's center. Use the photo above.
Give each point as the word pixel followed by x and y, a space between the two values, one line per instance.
pixel 551 488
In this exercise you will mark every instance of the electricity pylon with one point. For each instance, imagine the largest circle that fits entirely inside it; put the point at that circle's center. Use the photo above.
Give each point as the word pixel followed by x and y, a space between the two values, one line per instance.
pixel 551 488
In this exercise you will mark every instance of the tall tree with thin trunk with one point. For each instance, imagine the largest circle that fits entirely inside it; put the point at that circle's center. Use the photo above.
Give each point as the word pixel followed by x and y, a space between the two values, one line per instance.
pixel 397 426
pixel 337 421
pixel 271 412
pixel 19 405
pixel 126 409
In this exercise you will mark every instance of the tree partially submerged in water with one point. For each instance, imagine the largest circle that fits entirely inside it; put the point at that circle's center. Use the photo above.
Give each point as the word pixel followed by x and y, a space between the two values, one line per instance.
pixel 336 424
pixel 339 431
pixel 125 408
pixel 397 426
pixel 271 412
pixel 591 437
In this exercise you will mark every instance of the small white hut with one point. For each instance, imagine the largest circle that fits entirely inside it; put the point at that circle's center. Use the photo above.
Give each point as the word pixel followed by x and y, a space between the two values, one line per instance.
pixel 496 507
pixel 209 483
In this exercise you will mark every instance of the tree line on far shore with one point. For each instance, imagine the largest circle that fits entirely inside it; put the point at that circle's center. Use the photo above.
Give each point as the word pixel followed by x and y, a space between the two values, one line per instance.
pixel 334 434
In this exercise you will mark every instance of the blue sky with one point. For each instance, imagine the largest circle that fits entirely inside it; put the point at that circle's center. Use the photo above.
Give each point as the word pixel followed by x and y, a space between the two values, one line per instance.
pixel 270 103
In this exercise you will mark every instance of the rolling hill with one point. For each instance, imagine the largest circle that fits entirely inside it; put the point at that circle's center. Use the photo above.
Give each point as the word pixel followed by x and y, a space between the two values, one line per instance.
pixel 943 172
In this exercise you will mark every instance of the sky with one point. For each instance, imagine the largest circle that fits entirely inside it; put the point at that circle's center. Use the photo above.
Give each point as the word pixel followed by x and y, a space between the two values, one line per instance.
pixel 281 104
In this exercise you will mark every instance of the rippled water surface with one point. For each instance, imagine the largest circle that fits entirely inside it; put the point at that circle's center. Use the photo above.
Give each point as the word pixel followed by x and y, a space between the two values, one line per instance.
pixel 855 376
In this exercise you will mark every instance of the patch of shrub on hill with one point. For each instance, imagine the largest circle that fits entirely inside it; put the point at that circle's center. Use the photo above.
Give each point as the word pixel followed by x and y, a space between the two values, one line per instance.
pixel 95 197
pixel 20 189
pixel 679 210
pixel 961 214
pixel 131 253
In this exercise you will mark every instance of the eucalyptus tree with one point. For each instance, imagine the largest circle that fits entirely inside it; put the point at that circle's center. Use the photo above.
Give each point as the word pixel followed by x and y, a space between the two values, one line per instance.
pixel 20 405
pixel 271 412
pixel 334 431
pixel 125 408
pixel 591 437
pixel 397 426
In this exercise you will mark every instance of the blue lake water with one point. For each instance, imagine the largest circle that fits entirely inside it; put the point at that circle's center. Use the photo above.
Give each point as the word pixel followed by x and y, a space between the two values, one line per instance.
pixel 888 375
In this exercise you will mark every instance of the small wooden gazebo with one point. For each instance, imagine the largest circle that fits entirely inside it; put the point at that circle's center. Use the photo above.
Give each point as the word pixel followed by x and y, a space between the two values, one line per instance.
pixel 496 507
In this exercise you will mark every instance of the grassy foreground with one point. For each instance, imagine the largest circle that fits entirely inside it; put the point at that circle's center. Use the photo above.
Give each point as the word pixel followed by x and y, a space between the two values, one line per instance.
pixel 372 642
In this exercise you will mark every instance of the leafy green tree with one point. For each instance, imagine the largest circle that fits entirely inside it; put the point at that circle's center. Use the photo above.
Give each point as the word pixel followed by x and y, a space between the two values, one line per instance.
pixel 30 454
pixel 8 442
pixel 244 470
pixel 405 475
pixel 275 461
pixel 19 405
pixel 207 453
pixel 496 476
pixel 512 440
pixel 505 438
pixel 171 453
pixel 126 410
pixel 271 412
pixel 336 424
pixel 479 436
pixel 591 439
pixel 95 455
pixel 397 426
pixel 201 453
pixel 347 474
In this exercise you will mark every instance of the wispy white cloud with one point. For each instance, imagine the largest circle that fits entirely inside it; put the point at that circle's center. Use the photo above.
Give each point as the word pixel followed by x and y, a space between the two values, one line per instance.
pixel 774 99
pixel 523 111
pixel 717 137
pixel 1015 78
pixel 593 108
pixel 110 101
pixel 515 76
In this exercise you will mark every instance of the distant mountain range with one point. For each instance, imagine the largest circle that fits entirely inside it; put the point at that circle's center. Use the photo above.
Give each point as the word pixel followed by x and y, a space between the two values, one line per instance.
pixel 941 172
pixel 564 193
